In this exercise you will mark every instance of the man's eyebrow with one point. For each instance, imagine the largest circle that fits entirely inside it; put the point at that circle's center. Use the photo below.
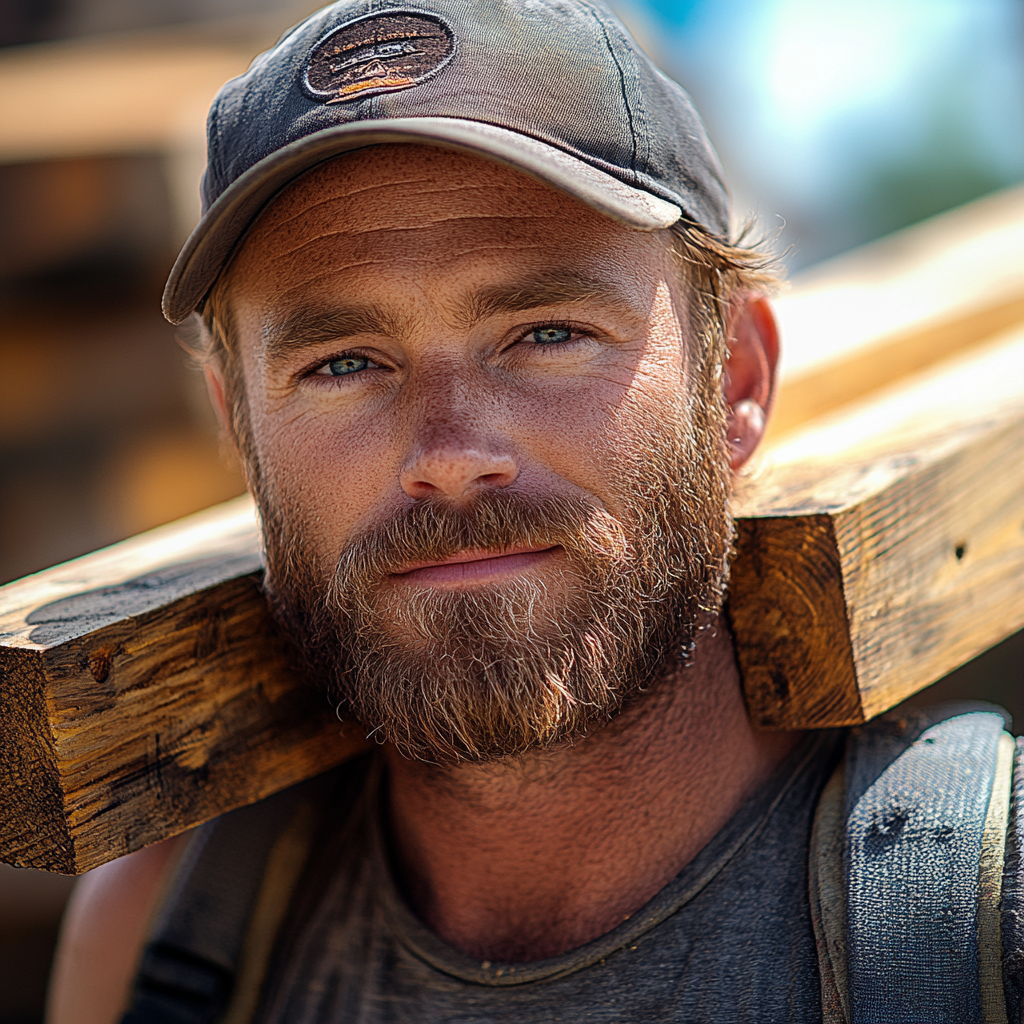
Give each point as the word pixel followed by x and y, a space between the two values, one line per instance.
pixel 308 327
pixel 557 288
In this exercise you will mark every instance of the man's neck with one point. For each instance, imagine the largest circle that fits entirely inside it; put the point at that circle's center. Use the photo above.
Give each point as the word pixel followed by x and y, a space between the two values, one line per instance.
pixel 522 861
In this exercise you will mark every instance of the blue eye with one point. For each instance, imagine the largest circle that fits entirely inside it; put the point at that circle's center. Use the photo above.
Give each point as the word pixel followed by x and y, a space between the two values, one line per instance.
pixel 345 365
pixel 552 335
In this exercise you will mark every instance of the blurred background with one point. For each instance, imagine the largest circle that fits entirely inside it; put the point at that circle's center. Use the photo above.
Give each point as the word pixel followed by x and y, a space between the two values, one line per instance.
pixel 838 122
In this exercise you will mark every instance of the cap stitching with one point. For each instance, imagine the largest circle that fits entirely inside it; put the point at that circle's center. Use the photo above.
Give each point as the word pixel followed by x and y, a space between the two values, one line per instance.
pixel 622 87
pixel 636 106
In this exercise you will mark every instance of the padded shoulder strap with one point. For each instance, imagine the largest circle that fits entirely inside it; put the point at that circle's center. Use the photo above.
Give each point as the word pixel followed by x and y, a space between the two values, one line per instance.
pixel 914 933
pixel 203 961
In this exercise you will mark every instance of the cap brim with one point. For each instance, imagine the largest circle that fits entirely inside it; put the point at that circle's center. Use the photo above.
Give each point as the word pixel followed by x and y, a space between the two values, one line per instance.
pixel 211 244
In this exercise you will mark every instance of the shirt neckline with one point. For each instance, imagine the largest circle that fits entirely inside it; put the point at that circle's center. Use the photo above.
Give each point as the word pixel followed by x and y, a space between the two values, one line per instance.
pixel 421 942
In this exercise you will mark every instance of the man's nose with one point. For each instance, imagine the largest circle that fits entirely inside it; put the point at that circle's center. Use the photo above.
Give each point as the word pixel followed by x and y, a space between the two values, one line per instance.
pixel 455 466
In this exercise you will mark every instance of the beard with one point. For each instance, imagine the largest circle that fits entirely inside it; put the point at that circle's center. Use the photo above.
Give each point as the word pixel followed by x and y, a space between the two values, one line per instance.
pixel 482 674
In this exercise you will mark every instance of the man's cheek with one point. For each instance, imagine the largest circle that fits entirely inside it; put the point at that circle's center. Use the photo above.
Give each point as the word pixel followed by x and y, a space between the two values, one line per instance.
pixel 333 482
pixel 564 432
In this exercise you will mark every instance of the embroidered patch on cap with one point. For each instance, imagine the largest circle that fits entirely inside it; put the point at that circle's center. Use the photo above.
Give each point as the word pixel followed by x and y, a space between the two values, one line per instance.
pixel 377 53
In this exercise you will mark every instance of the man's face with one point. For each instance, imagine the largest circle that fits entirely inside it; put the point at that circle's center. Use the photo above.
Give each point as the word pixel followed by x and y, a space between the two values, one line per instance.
pixel 489 458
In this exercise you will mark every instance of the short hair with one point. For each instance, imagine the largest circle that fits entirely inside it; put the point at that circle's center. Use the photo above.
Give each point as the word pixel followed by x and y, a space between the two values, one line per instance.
pixel 717 270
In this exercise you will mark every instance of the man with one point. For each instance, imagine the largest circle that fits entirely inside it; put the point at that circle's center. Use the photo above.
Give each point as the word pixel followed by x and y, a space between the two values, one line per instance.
pixel 472 316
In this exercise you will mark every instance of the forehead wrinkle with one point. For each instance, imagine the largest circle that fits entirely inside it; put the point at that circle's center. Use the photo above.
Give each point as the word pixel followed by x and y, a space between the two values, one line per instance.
pixel 421 183
pixel 356 232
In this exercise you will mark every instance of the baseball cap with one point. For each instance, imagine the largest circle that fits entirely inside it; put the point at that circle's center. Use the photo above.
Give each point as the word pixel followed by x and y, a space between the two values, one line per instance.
pixel 554 88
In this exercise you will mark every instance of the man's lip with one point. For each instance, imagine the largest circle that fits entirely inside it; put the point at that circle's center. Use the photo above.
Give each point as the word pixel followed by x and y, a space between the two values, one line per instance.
pixel 472 565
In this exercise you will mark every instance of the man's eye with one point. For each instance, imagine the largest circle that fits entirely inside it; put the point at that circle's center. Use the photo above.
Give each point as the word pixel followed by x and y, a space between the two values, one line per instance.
pixel 551 335
pixel 345 365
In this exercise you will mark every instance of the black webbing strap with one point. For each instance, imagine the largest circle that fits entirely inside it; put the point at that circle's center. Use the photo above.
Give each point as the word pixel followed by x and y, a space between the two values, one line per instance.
pixel 189 967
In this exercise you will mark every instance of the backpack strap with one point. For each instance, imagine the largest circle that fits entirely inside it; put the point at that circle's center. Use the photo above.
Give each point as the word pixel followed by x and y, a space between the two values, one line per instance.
pixel 208 949
pixel 906 870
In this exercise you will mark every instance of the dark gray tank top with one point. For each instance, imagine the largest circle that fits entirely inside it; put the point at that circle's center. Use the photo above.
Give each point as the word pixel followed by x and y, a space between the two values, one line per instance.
pixel 729 939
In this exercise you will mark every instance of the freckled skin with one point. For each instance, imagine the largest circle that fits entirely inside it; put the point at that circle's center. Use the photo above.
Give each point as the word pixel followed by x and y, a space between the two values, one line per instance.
pixel 457 404
pixel 514 861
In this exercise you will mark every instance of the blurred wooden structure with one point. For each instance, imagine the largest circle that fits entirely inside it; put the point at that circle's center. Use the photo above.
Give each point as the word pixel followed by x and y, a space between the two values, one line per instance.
pixel 122 94
pixel 899 305
pixel 104 430
pixel 881 544
pixel 135 93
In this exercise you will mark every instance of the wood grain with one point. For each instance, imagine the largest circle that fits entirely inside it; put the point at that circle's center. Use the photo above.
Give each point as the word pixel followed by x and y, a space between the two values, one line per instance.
pixel 144 690
pixel 788 613
pixel 890 538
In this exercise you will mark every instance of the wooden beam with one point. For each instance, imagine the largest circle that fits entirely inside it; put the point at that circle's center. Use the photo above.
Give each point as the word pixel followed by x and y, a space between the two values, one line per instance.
pixel 144 689
pixel 883 547
pixel 898 305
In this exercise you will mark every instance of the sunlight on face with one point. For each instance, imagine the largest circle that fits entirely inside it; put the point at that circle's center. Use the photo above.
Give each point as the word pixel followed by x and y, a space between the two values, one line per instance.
pixel 447 361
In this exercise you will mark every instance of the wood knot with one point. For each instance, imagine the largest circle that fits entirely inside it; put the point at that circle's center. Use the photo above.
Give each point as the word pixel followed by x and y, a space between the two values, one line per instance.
pixel 99 666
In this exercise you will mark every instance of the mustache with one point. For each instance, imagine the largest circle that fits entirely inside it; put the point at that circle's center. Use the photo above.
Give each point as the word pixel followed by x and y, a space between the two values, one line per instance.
pixel 435 529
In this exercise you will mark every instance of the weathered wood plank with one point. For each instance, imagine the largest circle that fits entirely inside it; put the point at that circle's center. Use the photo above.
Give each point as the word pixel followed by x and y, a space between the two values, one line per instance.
pixel 143 690
pixel 130 578
pixel 884 547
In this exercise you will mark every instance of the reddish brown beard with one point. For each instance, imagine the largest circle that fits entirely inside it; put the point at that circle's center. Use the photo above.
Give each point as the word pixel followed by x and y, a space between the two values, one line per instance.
pixel 479 675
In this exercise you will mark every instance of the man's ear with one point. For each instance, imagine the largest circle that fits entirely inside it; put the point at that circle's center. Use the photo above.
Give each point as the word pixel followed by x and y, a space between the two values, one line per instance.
pixel 749 378
pixel 218 396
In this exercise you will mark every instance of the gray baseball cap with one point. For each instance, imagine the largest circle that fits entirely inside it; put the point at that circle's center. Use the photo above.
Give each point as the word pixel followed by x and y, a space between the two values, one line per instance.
pixel 554 88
